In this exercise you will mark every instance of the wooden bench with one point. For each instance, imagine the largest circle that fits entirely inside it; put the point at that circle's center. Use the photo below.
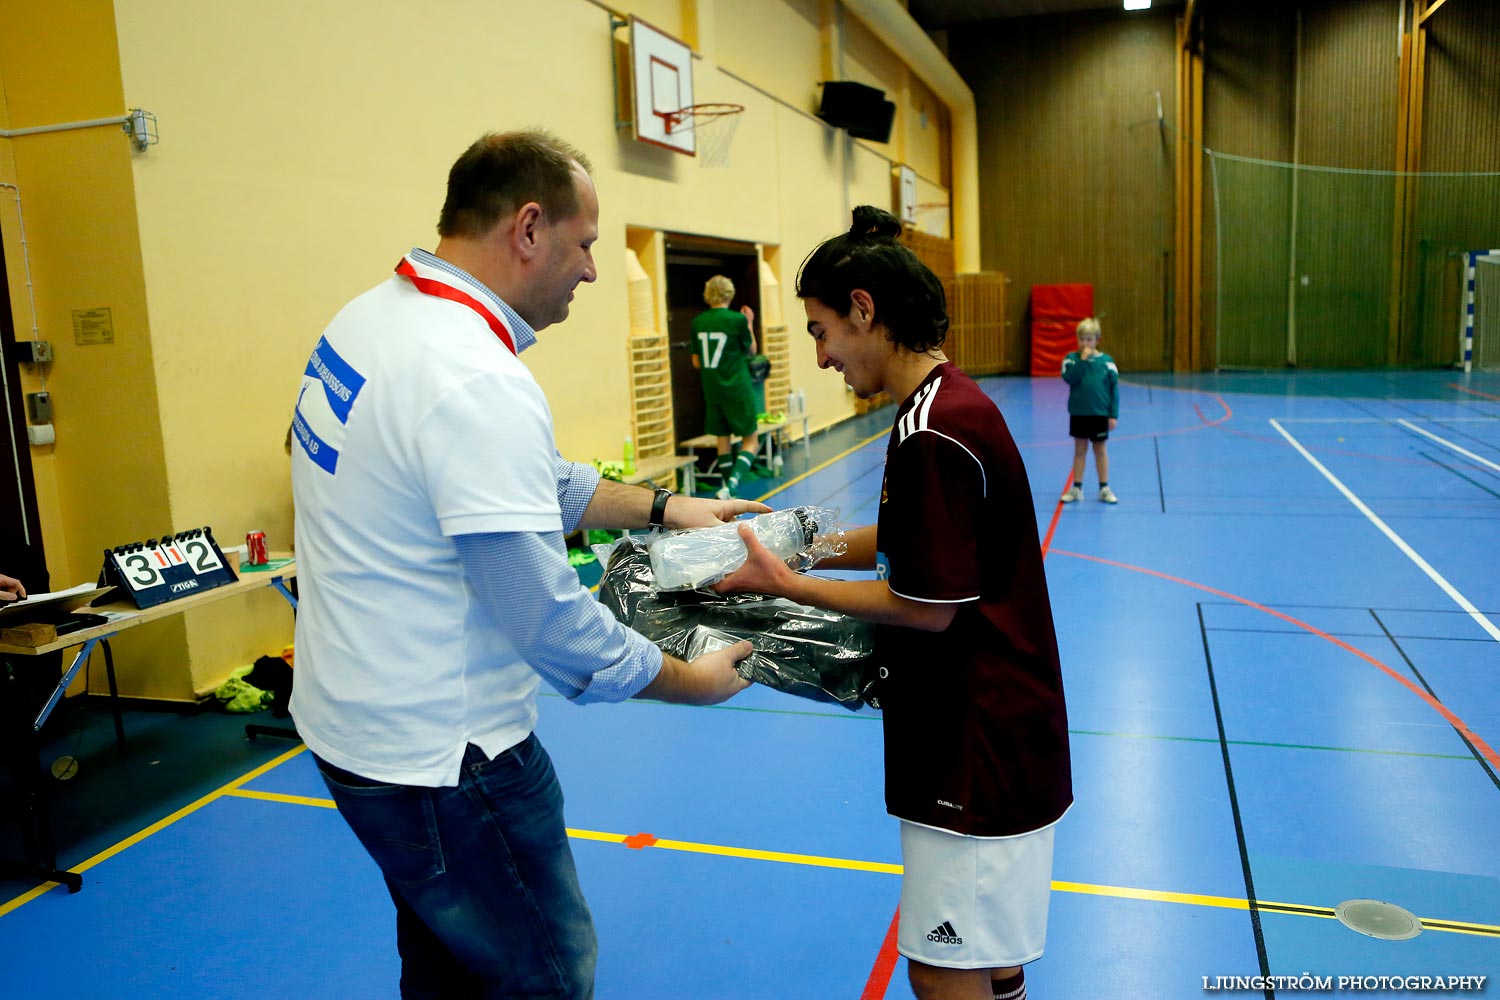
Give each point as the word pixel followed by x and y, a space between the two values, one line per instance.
pixel 774 435
pixel 662 471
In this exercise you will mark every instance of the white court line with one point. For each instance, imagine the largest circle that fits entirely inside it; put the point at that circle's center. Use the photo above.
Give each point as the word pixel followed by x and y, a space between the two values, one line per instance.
pixel 1383 420
pixel 1385 529
pixel 1449 444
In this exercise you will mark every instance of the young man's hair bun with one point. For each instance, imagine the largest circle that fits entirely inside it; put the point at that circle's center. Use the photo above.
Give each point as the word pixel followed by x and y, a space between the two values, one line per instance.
pixel 874 223
pixel 908 298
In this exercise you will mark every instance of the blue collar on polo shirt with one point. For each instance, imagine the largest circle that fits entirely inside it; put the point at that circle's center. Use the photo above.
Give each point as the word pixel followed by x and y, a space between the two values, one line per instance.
pixel 521 330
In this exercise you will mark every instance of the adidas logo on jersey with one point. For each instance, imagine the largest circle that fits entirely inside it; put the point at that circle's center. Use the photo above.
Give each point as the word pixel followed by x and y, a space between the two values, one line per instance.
pixel 944 934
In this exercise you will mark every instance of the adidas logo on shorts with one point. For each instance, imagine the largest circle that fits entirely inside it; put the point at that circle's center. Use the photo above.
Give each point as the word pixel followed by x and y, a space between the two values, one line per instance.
pixel 944 934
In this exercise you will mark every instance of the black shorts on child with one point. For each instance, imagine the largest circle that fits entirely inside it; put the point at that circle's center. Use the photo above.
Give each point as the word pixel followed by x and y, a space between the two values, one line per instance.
pixel 1088 428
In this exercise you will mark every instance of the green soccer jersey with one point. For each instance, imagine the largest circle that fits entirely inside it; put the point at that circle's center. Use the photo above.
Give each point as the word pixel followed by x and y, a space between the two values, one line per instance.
pixel 1094 385
pixel 721 339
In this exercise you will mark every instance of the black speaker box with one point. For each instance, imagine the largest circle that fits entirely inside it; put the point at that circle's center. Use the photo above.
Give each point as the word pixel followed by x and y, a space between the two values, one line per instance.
pixel 860 110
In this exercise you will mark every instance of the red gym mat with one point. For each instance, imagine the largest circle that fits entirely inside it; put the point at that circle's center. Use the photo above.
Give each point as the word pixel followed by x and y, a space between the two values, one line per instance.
pixel 1055 312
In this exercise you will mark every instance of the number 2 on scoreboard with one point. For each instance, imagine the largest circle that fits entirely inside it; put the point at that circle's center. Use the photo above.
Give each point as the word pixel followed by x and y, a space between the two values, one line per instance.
pixel 201 555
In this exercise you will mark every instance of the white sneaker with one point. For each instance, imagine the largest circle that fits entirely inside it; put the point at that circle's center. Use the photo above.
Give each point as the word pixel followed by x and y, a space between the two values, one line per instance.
pixel 1108 495
pixel 1073 493
pixel 723 493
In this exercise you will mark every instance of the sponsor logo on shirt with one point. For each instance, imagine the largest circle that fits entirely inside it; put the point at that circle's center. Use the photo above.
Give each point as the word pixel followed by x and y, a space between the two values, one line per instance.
pixel 944 934
pixel 330 385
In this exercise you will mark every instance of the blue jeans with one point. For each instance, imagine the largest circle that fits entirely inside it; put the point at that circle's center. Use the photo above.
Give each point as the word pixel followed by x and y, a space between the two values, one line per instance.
pixel 487 897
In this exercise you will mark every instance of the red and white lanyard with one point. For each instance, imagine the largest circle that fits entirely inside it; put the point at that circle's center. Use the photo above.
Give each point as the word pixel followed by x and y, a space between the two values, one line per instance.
pixel 443 290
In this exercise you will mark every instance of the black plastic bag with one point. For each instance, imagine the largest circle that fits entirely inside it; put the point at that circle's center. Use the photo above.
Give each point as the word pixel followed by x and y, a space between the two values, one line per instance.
pixel 801 650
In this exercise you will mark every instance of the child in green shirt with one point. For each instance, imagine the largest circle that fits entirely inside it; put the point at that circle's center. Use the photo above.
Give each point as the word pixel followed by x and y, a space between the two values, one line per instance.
pixel 1093 408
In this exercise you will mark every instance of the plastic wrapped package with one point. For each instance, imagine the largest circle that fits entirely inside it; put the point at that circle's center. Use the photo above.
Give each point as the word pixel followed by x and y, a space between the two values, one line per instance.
pixel 701 557
pixel 801 650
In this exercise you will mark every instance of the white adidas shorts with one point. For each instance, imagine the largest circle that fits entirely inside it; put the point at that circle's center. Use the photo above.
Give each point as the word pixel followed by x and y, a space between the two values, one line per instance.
pixel 974 902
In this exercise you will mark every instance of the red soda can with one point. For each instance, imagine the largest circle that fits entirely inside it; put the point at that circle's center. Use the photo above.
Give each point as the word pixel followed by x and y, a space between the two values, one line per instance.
pixel 255 548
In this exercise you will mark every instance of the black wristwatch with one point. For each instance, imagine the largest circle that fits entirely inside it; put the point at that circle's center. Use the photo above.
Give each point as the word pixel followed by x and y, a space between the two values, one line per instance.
pixel 659 509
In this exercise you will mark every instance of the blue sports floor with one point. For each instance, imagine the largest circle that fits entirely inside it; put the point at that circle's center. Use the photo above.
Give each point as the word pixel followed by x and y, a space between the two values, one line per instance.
pixel 1282 658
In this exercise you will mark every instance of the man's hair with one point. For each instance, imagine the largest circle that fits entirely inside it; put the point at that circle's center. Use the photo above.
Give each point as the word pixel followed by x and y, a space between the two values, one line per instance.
pixel 719 289
pixel 908 297
pixel 1088 326
pixel 503 171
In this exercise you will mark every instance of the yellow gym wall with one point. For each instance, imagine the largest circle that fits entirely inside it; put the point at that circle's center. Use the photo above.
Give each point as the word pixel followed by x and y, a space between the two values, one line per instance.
pixel 104 481
pixel 304 148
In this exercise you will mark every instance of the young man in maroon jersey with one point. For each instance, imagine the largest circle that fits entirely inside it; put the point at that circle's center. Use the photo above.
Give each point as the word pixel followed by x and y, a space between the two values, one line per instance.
pixel 976 733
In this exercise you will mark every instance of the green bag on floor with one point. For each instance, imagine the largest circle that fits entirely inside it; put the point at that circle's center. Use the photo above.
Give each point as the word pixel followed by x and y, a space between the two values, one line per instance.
pixel 238 695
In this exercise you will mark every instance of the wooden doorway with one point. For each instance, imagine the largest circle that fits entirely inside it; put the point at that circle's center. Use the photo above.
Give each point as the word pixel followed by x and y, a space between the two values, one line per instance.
pixel 691 261
pixel 21 554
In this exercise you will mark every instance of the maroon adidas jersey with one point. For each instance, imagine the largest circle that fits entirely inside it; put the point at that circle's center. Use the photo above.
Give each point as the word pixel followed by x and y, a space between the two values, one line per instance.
pixel 976 733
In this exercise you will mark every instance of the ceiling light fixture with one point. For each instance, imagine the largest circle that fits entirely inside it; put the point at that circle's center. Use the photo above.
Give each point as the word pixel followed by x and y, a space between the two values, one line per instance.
pixel 1137 4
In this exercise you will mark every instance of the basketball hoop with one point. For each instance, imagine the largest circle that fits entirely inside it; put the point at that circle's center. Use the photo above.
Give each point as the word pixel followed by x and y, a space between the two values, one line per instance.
pixel 715 125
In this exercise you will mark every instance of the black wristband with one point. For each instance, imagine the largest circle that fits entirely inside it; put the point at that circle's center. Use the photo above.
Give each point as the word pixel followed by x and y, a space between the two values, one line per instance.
pixel 659 509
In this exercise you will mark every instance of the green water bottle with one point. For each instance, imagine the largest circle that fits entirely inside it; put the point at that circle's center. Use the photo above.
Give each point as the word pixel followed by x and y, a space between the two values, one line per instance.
pixel 629 457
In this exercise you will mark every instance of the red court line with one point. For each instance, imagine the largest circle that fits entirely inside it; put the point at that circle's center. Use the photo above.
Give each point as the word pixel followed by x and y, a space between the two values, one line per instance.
pixel 885 964
pixel 1204 422
pixel 1056 513
pixel 1464 388
pixel 1218 420
pixel 1484 748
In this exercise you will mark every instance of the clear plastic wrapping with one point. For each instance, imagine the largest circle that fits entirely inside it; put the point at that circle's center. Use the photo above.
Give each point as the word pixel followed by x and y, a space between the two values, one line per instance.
pixel 700 557
pixel 801 650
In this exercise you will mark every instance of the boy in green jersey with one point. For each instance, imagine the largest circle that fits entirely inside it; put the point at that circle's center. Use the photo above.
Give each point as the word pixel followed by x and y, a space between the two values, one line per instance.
pixel 1093 408
pixel 722 345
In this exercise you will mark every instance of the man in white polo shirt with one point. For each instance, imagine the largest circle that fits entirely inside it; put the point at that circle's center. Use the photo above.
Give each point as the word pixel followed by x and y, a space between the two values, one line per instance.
pixel 435 588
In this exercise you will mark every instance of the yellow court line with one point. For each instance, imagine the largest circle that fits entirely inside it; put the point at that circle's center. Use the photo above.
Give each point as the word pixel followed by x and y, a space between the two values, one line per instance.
pixel 156 827
pixel 790 859
pixel 780 857
pixel 296 800
pixel 1459 927
pixel 1152 895
pixel 823 465
pixel 611 838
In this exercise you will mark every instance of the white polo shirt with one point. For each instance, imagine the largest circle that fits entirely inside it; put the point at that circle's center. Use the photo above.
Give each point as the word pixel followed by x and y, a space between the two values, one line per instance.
pixel 414 423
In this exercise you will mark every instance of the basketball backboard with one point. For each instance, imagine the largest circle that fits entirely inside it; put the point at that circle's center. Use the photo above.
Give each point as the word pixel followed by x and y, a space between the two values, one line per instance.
pixel 661 77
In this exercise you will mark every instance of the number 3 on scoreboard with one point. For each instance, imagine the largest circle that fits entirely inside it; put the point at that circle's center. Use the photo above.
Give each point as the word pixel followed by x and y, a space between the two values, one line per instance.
pixel 139 568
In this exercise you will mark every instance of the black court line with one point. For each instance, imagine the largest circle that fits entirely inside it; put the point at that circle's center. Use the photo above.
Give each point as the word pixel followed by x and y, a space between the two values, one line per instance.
pixel 1352 607
pixel 1354 402
pixel 1161 491
pixel 1234 808
pixel 1457 433
pixel 1460 432
pixel 1307 911
pixel 1403 406
pixel 1423 681
pixel 1353 515
pixel 1425 499
pixel 1345 635
pixel 1446 925
pixel 1468 479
